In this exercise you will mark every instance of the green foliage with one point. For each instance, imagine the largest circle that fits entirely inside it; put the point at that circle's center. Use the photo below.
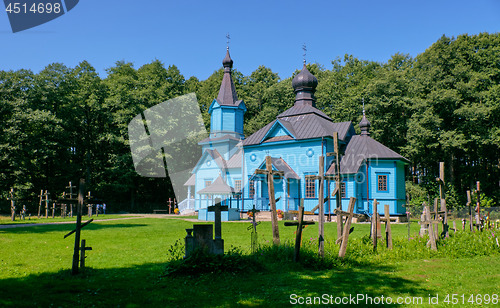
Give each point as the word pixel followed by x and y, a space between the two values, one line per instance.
pixel 65 123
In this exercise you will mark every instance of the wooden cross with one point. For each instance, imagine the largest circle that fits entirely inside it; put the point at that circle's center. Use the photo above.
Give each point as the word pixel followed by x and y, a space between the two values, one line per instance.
pixel 40 202
pixel 388 233
pixel 89 205
pixel 253 227
pixel 83 248
pixel 346 231
pixel 81 192
pixel 23 212
pixel 469 204
pixel 71 196
pixel 375 224
pixel 53 210
pixel 300 224
pixel 321 216
pixel 478 204
pixel 12 204
pixel 429 222
pixel 337 191
pixel 169 205
pixel 442 198
pixel 272 201
pixel 46 195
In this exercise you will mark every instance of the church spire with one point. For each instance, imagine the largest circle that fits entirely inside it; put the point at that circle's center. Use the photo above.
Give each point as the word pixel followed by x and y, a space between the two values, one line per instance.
pixel 227 93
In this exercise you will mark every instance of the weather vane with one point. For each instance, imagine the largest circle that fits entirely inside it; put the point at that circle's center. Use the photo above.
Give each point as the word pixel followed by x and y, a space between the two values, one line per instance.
pixel 304 48
pixel 228 37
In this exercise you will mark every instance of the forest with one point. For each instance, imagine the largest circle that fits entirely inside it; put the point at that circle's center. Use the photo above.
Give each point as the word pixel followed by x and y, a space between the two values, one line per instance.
pixel 62 123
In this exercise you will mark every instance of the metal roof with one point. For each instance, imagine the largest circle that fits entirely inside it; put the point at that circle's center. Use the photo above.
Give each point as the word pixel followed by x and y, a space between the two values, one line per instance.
pixel 235 160
pixel 302 109
pixel 227 93
pixel 360 149
pixel 303 126
pixel 218 187
pixel 191 181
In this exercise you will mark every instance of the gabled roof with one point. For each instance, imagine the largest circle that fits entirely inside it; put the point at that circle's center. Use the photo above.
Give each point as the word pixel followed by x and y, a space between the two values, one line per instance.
pixel 278 164
pixel 191 181
pixel 235 160
pixel 360 149
pixel 303 126
pixel 302 109
pixel 215 155
pixel 218 187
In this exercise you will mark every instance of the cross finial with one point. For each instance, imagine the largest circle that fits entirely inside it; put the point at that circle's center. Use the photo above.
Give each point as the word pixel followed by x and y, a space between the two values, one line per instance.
pixel 304 48
pixel 363 100
pixel 228 37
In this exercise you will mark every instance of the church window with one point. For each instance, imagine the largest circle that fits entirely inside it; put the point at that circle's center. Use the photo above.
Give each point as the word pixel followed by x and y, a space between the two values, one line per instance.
pixel 237 185
pixel 342 190
pixel 382 183
pixel 252 189
pixel 310 188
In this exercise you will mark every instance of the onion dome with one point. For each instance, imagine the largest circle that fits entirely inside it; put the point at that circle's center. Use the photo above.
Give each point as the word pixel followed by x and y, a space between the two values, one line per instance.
pixel 304 84
pixel 227 62
pixel 364 125
pixel 304 80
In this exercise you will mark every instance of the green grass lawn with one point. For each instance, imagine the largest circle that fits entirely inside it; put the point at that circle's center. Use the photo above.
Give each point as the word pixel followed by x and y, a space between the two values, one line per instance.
pixel 128 260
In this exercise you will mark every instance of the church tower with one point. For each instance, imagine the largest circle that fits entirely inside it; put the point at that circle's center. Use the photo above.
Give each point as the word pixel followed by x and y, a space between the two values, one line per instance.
pixel 226 111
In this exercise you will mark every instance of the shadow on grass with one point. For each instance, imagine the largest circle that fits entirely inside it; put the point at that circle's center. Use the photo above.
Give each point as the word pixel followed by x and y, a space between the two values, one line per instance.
pixel 68 227
pixel 144 285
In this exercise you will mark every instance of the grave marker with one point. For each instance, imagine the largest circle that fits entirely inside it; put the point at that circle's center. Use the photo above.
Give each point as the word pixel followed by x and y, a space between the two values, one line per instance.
pixel 337 191
pixel 321 215
pixel 347 231
pixel 253 227
pixel 12 205
pixel 218 241
pixel 272 201
pixel 300 224
pixel 375 224
pixel 388 233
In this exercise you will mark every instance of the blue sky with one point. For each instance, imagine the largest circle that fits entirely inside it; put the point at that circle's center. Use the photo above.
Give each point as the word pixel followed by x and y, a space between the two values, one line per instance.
pixel 191 34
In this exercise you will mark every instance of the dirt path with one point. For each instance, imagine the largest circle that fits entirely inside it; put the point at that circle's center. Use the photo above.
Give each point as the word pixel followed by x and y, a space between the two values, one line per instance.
pixel 136 216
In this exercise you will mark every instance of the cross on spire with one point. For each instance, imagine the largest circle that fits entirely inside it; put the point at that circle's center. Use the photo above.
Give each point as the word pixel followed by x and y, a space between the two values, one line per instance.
pixel 363 100
pixel 228 37
pixel 304 48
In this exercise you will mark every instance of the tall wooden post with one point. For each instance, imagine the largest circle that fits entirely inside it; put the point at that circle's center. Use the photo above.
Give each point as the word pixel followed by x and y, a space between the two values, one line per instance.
pixel 76 251
pixel 46 204
pixel 321 218
pixel 298 236
pixel 388 233
pixel 375 224
pixel 469 204
pixel 272 201
pixel 71 197
pixel 337 192
pixel 432 238
pixel 345 236
pixel 478 204
pixel 40 203
pixel 12 205
pixel 442 198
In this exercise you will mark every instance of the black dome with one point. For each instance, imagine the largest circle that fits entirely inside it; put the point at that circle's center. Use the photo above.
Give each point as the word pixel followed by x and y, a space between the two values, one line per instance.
pixel 227 62
pixel 304 80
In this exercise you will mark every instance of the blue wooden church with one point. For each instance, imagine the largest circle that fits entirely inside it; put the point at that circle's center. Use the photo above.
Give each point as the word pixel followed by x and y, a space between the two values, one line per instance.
pixel 295 140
